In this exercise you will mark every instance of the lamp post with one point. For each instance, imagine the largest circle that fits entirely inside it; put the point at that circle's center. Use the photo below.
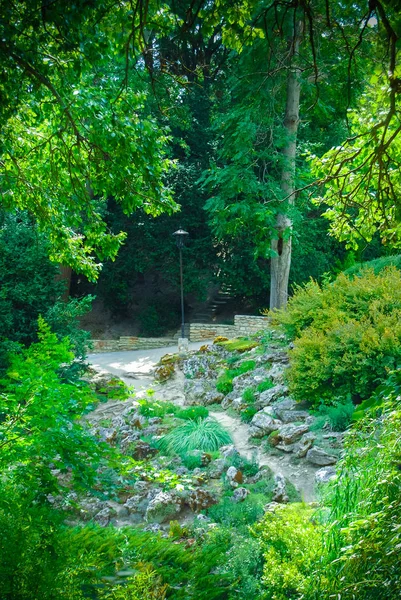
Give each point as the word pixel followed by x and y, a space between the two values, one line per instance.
pixel 180 236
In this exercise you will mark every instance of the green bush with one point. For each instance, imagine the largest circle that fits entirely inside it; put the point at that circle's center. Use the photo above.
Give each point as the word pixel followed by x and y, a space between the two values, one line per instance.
pixel 238 514
pixel 378 264
pixel 348 336
pixel 339 415
pixel 290 541
pixel 192 413
pixel 204 434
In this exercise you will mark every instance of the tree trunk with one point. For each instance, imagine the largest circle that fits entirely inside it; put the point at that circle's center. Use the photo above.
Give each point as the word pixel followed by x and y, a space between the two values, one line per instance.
pixel 281 246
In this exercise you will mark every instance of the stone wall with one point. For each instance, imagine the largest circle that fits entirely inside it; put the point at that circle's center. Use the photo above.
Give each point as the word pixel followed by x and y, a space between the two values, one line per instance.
pixel 131 343
pixel 208 331
pixel 243 325
pixel 249 324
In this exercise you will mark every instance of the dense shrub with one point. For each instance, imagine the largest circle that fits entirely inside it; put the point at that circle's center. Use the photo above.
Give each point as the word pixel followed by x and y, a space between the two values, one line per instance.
pixel 290 541
pixel 378 264
pixel 238 515
pixel 348 335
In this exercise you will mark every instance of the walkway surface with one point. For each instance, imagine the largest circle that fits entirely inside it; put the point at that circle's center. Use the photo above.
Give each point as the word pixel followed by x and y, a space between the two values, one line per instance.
pixel 135 367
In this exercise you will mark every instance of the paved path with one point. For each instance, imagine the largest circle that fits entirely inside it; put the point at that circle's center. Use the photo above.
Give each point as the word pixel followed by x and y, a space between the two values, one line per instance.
pixel 136 366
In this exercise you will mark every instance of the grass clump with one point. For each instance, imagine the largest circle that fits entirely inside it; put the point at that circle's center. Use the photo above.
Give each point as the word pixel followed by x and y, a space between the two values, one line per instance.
pixel 201 434
pixel 248 396
pixel 265 385
pixel 248 413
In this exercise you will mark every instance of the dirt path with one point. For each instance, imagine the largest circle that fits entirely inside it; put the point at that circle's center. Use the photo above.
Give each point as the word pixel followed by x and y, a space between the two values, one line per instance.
pixel 301 474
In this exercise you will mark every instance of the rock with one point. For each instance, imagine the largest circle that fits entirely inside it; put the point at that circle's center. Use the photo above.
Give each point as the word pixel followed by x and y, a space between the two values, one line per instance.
pixel 291 433
pixel 201 391
pixel 325 475
pixel 132 503
pixel 268 396
pixel 107 435
pixel 284 447
pixel 284 405
pixel 203 518
pixel 234 476
pixel 163 507
pixel 263 423
pixel 153 528
pixel 240 494
pixel 264 472
pixel 250 379
pixel 143 450
pixel 200 499
pixel 294 416
pixel 155 420
pixel 276 373
pixel 229 451
pixel 181 470
pixel 104 517
pixel 305 443
pixel 216 469
pixel 89 507
pixel 279 492
pixel 238 404
pixel 318 456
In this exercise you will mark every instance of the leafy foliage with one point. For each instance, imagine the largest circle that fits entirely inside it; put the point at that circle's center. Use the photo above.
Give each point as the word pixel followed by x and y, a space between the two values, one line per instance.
pixel 40 428
pixel 347 335
pixel 203 434
pixel 362 536
pixel 290 540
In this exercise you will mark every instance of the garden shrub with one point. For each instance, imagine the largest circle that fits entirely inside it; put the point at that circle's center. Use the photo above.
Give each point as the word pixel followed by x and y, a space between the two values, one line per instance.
pixel 290 541
pixel 339 415
pixel 348 336
pixel 238 514
pixel 203 434
pixel 378 264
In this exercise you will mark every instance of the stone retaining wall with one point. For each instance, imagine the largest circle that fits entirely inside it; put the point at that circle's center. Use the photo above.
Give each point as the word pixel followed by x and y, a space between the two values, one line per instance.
pixel 243 325
pixel 249 324
pixel 208 331
pixel 131 343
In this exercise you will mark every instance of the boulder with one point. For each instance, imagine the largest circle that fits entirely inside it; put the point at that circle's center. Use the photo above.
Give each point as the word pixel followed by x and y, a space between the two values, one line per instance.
pixel 229 451
pixel 163 507
pixel 318 456
pixel 200 499
pixel 280 492
pixel 305 443
pixel 240 494
pixel 234 476
pixel 276 373
pixel 217 467
pixel 325 475
pixel 294 416
pixel 104 516
pixel 201 391
pixel 263 423
pixel 291 433
pixel 284 405
pixel 132 503
pixel 143 450
pixel 269 396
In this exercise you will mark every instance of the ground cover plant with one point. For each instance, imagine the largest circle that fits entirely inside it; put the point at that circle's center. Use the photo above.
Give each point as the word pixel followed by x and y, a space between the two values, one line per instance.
pixel 201 434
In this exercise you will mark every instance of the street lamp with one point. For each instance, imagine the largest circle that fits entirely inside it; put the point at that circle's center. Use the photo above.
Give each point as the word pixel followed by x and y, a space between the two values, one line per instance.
pixel 180 236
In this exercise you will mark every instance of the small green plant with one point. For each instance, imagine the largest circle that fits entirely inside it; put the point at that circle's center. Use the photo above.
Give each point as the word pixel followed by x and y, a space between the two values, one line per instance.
pixel 339 415
pixel 149 408
pixel 241 514
pixel 248 396
pixel 248 413
pixel 203 434
pixel 193 412
pixel 224 383
pixel 191 461
pixel 267 384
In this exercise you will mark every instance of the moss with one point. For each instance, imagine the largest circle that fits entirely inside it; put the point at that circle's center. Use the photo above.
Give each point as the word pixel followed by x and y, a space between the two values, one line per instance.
pixel 239 344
